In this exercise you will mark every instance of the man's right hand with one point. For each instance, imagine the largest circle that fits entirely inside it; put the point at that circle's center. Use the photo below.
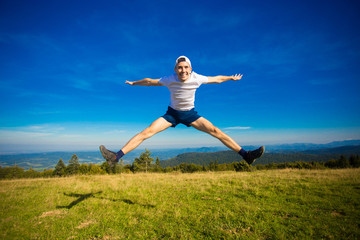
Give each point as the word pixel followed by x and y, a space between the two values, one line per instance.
pixel 130 83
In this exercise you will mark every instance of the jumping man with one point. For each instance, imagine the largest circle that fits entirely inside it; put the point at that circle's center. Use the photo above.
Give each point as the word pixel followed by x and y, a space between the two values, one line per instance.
pixel 182 86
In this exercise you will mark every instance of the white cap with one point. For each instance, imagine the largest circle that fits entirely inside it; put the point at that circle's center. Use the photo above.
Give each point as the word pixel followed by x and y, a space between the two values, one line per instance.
pixel 182 59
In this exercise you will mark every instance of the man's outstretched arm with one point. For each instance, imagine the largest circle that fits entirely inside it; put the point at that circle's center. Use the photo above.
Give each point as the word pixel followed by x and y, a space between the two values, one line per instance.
pixel 145 82
pixel 220 79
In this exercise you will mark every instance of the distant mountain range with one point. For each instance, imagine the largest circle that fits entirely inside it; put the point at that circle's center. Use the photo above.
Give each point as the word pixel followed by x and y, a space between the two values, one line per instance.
pixel 296 147
pixel 221 157
pixel 173 157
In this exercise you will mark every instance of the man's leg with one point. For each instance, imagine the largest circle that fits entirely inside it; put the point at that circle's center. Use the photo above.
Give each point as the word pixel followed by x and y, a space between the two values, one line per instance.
pixel 157 126
pixel 205 125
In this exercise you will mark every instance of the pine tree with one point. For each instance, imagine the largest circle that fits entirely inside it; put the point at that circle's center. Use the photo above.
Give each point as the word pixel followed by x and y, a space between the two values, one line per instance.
pixel 144 162
pixel 106 167
pixel 343 162
pixel 74 165
pixel 119 167
pixel 354 161
pixel 203 168
pixel 60 168
pixel 157 165
pixel 121 164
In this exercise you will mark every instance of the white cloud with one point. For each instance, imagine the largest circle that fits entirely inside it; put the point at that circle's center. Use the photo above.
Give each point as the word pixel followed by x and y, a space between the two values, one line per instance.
pixel 77 134
pixel 16 136
pixel 237 128
pixel 47 128
pixel 30 134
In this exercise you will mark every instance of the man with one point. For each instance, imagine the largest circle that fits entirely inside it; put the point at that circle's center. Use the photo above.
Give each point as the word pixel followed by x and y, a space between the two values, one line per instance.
pixel 182 86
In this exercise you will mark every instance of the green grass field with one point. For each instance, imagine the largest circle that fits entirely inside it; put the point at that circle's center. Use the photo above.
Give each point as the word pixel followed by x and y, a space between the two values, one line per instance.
pixel 276 204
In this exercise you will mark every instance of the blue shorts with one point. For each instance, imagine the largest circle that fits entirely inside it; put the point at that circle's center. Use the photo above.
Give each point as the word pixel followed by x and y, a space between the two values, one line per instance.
pixel 185 117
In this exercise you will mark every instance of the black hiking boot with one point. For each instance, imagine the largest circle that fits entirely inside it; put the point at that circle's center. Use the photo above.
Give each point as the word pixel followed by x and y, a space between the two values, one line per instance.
pixel 251 156
pixel 109 156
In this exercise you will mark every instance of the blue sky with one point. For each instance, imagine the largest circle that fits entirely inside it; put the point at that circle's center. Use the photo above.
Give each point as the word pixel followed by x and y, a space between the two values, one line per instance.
pixel 63 65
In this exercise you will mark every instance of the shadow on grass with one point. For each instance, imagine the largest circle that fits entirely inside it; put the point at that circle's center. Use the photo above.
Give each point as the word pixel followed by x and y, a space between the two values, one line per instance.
pixel 83 197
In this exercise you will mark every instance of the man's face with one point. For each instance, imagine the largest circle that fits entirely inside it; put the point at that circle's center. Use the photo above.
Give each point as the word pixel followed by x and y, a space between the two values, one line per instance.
pixel 183 70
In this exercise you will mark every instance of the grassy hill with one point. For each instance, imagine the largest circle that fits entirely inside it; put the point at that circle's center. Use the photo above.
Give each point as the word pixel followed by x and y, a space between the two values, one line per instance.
pixel 274 204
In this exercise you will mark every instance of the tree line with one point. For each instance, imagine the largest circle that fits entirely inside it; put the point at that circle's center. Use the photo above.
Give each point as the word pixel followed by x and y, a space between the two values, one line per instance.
pixel 145 163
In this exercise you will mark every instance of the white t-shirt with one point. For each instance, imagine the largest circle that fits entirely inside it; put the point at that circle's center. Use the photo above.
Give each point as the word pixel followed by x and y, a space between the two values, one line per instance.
pixel 183 93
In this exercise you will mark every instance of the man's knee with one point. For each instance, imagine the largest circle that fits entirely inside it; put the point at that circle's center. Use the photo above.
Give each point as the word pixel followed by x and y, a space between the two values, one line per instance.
pixel 205 126
pixel 216 131
pixel 147 132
